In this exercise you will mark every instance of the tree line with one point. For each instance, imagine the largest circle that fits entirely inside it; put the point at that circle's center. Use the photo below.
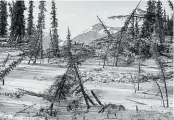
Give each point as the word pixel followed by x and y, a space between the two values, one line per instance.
pixel 135 37
pixel 20 32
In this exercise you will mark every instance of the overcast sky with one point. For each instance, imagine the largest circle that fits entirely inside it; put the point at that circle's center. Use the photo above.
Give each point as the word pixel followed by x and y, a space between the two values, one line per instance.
pixel 81 15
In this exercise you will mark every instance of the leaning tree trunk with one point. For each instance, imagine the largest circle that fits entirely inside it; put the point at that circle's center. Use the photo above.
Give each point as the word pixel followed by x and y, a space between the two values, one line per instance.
pixel 161 67
pixel 139 67
pixel 34 50
pixel 139 70
pixel 159 32
pixel 162 98
pixel 81 86
pixel 110 41
pixel 123 29
pixel 164 80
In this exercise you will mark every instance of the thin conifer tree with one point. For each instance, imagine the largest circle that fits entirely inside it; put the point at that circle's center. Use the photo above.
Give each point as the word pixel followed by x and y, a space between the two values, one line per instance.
pixel 3 18
pixel 30 25
pixel 41 26
pixel 55 36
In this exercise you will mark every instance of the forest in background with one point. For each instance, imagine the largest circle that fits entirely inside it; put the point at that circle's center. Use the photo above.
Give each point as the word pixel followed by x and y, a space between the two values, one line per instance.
pixel 145 35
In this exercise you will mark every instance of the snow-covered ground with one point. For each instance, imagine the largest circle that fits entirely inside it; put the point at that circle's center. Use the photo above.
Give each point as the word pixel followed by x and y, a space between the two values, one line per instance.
pixel 35 78
pixel 114 86
pixel 38 78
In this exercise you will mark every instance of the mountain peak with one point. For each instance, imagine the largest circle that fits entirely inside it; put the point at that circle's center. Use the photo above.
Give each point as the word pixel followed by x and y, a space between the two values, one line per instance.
pixel 97 27
pixel 93 33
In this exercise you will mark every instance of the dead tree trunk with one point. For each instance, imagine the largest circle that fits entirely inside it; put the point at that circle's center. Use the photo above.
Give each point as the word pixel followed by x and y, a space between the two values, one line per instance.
pixel 81 86
pixel 159 32
pixel 59 89
pixel 139 67
pixel 110 41
pixel 161 67
pixel 162 98
pixel 164 80
pixel 6 59
pixel 98 101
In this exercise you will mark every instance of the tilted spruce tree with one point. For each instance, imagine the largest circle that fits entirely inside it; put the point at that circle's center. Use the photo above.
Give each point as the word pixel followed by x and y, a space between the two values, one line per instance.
pixel 17 22
pixel 125 29
pixel 3 18
pixel 72 69
pixel 122 32
pixel 129 19
pixel 30 25
pixel 55 36
pixel 72 63
pixel 41 25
